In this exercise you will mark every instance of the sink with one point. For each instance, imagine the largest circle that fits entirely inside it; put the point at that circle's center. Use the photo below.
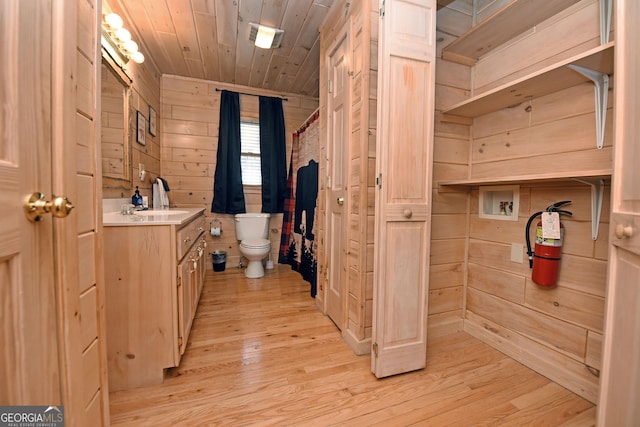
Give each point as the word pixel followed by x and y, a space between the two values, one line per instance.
pixel 160 212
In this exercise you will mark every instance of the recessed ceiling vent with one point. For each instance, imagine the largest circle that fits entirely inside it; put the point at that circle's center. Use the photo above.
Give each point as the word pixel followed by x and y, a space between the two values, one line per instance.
pixel 265 37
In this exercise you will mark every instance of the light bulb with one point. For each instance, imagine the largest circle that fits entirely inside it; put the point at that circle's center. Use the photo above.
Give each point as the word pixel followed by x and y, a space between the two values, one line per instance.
pixel 265 36
pixel 130 46
pixel 137 57
pixel 114 21
pixel 123 35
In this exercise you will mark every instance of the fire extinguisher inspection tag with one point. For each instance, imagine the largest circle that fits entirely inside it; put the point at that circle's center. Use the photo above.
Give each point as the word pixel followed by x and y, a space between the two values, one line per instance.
pixel 550 225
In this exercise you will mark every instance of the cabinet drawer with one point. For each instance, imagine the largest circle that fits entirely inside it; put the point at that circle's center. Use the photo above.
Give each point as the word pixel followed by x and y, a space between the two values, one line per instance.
pixel 187 235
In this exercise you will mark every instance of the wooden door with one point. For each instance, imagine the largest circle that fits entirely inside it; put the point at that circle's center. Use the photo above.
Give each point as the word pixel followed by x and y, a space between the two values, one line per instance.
pixel 52 351
pixel 338 158
pixel 406 84
pixel 28 315
pixel 620 382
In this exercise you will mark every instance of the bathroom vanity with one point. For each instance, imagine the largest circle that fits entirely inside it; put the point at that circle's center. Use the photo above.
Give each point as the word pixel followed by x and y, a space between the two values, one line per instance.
pixel 154 272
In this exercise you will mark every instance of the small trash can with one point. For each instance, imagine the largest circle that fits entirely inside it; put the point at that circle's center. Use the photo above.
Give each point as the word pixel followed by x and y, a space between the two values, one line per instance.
pixel 219 259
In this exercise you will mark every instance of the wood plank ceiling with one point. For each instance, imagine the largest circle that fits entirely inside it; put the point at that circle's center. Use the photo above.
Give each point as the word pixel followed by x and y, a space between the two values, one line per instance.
pixel 209 39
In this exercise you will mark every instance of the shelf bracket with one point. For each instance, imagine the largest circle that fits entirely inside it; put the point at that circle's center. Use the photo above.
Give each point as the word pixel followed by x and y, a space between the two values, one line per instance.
pixel 605 20
pixel 601 88
pixel 597 194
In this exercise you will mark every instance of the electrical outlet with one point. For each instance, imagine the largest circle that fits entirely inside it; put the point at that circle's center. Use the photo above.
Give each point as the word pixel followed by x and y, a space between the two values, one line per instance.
pixel 517 251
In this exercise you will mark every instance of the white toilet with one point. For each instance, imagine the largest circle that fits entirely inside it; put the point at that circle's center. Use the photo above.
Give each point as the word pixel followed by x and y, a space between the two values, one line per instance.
pixel 252 230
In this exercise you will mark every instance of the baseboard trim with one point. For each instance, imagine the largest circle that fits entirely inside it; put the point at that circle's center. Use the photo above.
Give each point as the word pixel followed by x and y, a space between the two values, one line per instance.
pixel 359 347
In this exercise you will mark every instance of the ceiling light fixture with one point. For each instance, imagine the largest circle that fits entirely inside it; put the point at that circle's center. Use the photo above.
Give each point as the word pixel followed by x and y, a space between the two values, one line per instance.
pixel 265 37
pixel 116 40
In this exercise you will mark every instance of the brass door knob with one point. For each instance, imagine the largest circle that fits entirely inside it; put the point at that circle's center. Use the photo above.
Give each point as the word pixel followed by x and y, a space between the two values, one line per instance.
pixel 36 206
pixel 340 201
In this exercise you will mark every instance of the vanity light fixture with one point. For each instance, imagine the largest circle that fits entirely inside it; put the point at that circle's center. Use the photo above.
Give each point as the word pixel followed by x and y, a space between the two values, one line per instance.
pixel 116 40
pixel 265 37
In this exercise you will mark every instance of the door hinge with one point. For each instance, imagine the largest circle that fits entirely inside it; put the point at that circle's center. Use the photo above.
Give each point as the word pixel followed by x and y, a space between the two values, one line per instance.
pixel 178 281
pixel 329 87
pixel 375 349
pixel 379 181
pixel 179 342
pixel 381 11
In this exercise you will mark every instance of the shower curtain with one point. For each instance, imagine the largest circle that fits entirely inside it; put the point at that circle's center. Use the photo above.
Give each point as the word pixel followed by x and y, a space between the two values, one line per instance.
pixel 297 243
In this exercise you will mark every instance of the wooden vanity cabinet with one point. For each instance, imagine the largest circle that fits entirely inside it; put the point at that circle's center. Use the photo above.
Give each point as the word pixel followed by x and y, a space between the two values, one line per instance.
pixel 154 276
pixel 190 277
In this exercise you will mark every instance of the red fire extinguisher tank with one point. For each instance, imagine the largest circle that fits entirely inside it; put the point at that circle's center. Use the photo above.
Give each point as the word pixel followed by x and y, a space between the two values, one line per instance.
pixel 545 258
pixel 547 252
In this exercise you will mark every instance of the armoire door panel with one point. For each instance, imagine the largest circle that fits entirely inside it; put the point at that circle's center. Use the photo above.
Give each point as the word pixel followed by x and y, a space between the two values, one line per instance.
pixel 404 146
pixel 620 374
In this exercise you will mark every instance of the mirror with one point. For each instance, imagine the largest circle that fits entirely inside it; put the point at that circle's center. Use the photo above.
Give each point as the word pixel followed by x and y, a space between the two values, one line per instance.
pixel 115 134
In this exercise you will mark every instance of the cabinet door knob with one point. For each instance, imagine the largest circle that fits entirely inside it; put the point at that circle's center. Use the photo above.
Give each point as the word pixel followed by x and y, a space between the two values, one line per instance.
pixel 408 213
pixel 623 231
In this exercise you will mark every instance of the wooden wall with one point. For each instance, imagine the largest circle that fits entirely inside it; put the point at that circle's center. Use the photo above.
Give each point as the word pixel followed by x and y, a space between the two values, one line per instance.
pixel 557 332
pixel 190 115
pixel 95 393
pixel 449 225
pixel 360 19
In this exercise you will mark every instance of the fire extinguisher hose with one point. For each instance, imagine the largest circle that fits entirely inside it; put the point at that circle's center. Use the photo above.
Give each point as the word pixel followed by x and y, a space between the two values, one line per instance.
pixel 552 208
pixel 528 238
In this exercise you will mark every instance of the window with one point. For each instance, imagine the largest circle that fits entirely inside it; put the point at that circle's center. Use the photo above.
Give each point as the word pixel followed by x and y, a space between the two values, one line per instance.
pixel 250 153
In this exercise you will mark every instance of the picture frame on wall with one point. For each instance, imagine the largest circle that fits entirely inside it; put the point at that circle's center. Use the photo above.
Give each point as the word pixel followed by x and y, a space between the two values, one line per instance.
pixel 141 134
pixel 152 121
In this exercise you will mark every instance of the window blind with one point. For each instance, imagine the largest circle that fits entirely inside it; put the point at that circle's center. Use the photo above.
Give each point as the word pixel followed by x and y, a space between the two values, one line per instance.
pixel 250 153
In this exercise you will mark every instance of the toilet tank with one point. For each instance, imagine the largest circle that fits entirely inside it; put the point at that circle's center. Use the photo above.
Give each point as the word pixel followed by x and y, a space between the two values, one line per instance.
pixel 252 226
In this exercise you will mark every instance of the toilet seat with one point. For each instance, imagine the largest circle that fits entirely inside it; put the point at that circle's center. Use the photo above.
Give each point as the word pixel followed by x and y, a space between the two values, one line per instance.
pixel 255 243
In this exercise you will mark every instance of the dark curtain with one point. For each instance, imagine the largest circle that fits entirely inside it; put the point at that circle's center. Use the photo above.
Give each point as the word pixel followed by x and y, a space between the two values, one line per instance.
pixel 228 192
pixel 273 153
pixel 284 255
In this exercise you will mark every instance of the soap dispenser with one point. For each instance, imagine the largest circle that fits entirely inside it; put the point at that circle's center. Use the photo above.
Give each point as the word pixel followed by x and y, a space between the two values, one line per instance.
pixel 137 198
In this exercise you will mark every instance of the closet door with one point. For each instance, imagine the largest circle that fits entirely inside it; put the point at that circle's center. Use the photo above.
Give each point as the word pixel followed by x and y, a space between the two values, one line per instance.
pixel 338 160
pixel 406 85
pixel 620 386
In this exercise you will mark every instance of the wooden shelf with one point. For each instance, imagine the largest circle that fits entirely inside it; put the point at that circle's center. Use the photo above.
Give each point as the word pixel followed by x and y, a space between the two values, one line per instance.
pixel 443 3
pixel 538 178
pixel 594 178
pixel 510 21
pixel 543 82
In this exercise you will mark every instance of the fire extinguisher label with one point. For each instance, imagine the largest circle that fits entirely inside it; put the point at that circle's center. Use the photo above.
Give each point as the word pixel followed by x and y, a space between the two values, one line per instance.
pixel 551 225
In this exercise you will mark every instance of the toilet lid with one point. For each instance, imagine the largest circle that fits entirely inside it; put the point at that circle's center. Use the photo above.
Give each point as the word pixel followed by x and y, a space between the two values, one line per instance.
pixel 255 243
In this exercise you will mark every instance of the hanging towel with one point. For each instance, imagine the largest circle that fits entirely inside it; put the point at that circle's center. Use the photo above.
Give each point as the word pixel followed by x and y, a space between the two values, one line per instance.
pixel 160 198
pixel 165 185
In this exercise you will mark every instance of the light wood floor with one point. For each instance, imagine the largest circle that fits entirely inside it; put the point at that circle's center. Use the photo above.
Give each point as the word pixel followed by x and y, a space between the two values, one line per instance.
pixel 260 353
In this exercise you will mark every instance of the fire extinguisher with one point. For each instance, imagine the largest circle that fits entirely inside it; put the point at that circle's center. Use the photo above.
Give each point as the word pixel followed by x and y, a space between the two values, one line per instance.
pixel 547 250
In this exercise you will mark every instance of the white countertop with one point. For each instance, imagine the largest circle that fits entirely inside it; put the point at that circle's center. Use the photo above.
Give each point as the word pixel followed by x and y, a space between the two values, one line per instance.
pixel 151 217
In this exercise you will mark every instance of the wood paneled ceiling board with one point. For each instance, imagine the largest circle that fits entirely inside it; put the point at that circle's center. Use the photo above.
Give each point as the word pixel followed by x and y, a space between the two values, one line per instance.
pixel 209 39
